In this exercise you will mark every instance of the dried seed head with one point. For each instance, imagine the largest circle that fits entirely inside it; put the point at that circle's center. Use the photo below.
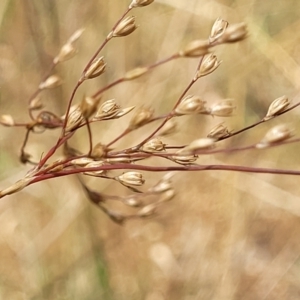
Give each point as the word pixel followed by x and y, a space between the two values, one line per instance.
pixel 7 120
pixel 147 210
pixel 88 106
pixel 125 27
pixel 169 128
pixel 153 145
pixel 139 3
pixel 195 48
pixel 135 73
pixel 95 69
pixel 95 164
pixel 276 134
pixel 196 145
pixel 75 119
pixel 218 29
pixel 141 117
pixel 209 64
pixel 190 105
pixel 52 81
pixel 36 103
pixel 277 106
pixel 184 159
pixel 223 108
pixel 234 33
pixel 131 178
pixel 219 131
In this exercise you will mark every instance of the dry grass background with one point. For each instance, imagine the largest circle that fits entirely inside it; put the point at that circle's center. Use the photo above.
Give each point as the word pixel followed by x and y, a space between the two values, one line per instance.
pixel 225 235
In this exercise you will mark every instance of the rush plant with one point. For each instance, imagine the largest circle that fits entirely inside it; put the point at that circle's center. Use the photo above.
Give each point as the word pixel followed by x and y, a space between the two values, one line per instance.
pixel 129 166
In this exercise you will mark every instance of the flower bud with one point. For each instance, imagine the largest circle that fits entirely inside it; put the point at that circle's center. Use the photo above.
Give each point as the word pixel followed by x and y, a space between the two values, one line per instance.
pixel 139 3
pixel 141 117
pixel 190 105
pixel 83 161
pixel 209 64
pixel 99 151
pixel 276 134
pixel 125 27
pixel 95 69
pixel 153 145
pixel 52 81
pixel 218 29
pixel 195 48
pixel 223 108
pixel 277 106
pixel 7 120
pixel 131 178
pixel 218 132
pixel 234 33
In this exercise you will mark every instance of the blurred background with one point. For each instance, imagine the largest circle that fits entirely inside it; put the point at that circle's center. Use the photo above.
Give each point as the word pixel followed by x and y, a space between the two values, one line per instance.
pixel 225 235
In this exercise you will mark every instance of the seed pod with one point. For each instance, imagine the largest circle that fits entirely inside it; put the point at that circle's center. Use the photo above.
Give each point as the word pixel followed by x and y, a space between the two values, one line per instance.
pixel 135 73
pixel 95 69
pixel 76 35
pixel 209 64
pixel 195 48
pixel 140 3
pixel 51 82
pixel 147 210
pixel 234 33
pixel 190 105
pixel 74 120
pixel 184 159
pixel 277 106
pixel 7 120
pixel 169 128
pixel 66 52
pixel 141 117
pixel 81 161
pixel 219 131
pixel 196 145
pixel 125 27
pixel 276 134
pixel 223 108
pixel 99 151
pixel 153 145
pixel 95 164
pixel 36 103
pixel 218 29
pixel 131 178
pixel 88 106
pixel 107 110
pixel 16 187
